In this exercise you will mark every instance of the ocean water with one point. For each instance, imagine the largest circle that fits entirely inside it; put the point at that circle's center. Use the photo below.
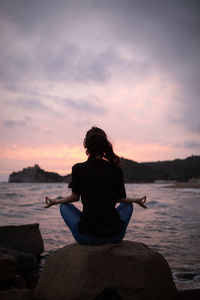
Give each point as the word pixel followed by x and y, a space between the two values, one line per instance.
pixel 170 225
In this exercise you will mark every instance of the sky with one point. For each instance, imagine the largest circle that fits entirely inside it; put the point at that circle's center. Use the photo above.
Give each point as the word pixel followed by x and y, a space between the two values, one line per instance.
pixel 130 67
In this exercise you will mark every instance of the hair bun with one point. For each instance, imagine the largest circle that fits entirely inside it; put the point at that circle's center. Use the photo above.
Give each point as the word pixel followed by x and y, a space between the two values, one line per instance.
pixel 97 144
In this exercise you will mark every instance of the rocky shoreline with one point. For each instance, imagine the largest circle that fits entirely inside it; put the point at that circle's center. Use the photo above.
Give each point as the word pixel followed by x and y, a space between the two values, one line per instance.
pixel 21 264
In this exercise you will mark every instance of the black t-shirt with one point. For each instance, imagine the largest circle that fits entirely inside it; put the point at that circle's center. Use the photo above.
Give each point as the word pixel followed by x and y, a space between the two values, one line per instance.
pixel 100 183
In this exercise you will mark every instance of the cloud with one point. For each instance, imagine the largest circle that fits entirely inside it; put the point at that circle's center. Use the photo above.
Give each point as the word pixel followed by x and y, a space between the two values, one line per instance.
pixel 187 144
pixel 33 105
pixel 13 124
pixel 186 113
pixel 20 124
pixel 165 35
pixel 50 43
pixel 51 59
pixel 88 106
pixel 191 144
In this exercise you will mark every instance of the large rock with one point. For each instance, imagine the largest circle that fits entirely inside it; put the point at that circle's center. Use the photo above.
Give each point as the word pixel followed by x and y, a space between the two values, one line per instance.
pixel 7 267
pixel 24 238
pixel 17 294
pixel 25 262
pixel 193 294
pixel 7 270
pixel 83 272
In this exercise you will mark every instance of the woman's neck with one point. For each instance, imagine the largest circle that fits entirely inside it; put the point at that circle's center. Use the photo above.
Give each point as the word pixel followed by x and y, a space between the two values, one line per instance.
pixel 96 157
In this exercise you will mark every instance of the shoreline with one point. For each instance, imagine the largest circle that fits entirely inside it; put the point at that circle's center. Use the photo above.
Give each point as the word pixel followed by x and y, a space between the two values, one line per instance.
pixel 185 185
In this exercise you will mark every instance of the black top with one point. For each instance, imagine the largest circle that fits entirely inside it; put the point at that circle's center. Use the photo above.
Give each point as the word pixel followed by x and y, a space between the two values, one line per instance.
pixel 100 183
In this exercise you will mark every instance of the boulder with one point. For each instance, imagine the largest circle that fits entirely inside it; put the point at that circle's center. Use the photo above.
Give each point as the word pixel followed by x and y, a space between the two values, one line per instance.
pixel 193 294
pixel 25 262
pixel 19 282
pixel 24 238
pixel 7 270
pixel 32 279
pixel 17 294
pixel 83 272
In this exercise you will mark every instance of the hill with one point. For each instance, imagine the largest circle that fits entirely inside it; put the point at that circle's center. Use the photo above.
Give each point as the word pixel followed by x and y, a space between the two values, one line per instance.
pixel 178 169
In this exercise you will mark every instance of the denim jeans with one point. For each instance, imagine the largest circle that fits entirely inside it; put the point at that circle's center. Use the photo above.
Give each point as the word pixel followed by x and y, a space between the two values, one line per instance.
pixel 71 216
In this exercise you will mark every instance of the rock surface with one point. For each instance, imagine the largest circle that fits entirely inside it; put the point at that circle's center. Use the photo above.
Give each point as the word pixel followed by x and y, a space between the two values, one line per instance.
pixel 83 272
pixel 24 238
pixel 189 294
pixel 19 282
pixel 17 294
pixel 7 266
pixel 25 262
pixel 7 270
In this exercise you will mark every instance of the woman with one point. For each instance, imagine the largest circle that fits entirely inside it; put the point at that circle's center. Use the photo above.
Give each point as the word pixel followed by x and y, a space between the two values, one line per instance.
pixel 99 182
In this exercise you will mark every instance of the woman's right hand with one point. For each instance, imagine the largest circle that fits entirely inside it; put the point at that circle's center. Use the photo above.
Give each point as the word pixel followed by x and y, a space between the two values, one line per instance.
pixel 49 202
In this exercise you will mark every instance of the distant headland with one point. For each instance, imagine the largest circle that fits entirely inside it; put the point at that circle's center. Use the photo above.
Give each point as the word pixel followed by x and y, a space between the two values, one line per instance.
pixel 180 170
pixel 37 175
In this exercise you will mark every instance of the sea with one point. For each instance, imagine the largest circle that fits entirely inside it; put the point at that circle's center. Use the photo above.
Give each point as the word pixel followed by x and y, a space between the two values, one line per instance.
pixel 170 224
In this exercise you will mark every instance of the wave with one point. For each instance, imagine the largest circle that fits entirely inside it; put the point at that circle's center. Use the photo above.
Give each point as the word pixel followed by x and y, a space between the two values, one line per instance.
pixel 186 276
pixel 197 191
pixel 35 189
pixel 13 195
pixel 155 204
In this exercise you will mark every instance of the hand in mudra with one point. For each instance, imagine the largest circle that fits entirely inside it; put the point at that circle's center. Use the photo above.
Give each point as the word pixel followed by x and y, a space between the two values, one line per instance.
pixel 142 201
pixel 49 202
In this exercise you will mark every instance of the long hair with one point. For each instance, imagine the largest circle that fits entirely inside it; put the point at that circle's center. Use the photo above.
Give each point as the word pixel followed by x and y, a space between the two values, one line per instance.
pixel 97 144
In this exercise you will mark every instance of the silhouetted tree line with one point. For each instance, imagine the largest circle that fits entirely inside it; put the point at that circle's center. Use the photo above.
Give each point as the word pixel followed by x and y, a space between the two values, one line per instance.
pixel 178 169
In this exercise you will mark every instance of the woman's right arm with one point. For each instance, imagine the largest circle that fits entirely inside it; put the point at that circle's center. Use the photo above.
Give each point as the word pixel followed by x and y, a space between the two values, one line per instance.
pixel 139 201
pixel 71 198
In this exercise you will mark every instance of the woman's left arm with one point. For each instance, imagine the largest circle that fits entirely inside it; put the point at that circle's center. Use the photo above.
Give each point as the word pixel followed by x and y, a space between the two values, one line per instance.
pixel 140 201
pixel 71 198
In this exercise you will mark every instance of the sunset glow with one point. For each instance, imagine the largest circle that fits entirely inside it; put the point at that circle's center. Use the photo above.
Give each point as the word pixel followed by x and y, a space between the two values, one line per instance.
pixel 129 67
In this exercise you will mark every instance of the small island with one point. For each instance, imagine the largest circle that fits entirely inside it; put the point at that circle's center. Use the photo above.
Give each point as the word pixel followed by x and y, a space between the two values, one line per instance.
pixel 37 175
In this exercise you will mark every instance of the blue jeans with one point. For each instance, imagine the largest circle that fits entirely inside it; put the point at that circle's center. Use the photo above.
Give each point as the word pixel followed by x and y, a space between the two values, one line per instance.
pixel 71 216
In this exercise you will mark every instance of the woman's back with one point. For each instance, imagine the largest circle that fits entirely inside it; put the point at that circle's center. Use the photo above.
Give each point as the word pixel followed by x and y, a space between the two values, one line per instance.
pixel 100 184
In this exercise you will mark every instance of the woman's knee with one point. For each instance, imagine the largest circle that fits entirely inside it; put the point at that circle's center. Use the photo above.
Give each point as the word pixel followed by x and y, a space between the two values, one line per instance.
pixel 131 206
pixel 66 205
pixel 63 205
pixel 125 206
pixel 126 212
pixel 67 208
pixel 129 209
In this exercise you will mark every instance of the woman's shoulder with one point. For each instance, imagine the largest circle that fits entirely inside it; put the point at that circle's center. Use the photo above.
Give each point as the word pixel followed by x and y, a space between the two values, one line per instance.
pixel 114 167
pixel 78 165
pixel 97 162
